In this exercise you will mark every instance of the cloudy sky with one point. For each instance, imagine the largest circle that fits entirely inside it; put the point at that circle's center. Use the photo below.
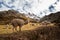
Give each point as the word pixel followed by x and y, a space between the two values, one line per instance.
pixel 38 7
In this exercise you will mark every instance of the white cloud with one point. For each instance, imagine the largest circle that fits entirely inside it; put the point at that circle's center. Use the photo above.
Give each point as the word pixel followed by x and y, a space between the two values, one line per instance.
pixel 32 6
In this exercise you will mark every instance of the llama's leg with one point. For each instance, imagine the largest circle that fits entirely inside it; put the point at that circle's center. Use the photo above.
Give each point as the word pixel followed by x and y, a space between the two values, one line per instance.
pixel 19 28
pixel 13 29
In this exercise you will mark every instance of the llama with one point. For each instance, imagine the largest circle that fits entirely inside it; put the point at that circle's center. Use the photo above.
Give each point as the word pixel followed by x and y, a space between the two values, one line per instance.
pixel 18 22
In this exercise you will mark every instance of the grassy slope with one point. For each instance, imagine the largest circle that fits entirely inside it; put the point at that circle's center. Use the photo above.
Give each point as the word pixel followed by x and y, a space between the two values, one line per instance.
pixel 4 29
pixel 40 33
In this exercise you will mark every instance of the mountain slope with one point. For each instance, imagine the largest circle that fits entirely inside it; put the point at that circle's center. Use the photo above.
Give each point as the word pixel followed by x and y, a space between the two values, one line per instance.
pixel 53 17
pixel 7 16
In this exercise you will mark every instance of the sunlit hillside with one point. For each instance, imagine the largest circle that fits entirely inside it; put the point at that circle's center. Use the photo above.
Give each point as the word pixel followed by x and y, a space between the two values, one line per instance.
pixel 48 28
pixel 7 16
pixel 7 29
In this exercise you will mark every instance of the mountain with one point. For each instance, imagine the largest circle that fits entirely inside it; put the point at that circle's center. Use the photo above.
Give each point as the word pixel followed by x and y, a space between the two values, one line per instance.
pixel 42 32
pixel 32 15
pixel 7 16
pixel 53 17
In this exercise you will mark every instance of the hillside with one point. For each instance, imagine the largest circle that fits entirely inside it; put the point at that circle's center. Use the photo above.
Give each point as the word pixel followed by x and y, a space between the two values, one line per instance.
pixel 7 16
pixel 40 33
pixel 53 17
pixel 34 30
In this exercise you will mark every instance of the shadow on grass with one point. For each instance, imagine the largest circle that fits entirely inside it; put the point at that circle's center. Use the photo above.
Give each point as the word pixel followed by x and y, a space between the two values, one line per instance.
pixel 42 33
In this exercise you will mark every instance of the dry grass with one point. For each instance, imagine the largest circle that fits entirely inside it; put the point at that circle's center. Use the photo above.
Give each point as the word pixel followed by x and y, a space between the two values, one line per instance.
pixel 30 26
pixel 6 29
pixel 40 32
pixel 43 33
